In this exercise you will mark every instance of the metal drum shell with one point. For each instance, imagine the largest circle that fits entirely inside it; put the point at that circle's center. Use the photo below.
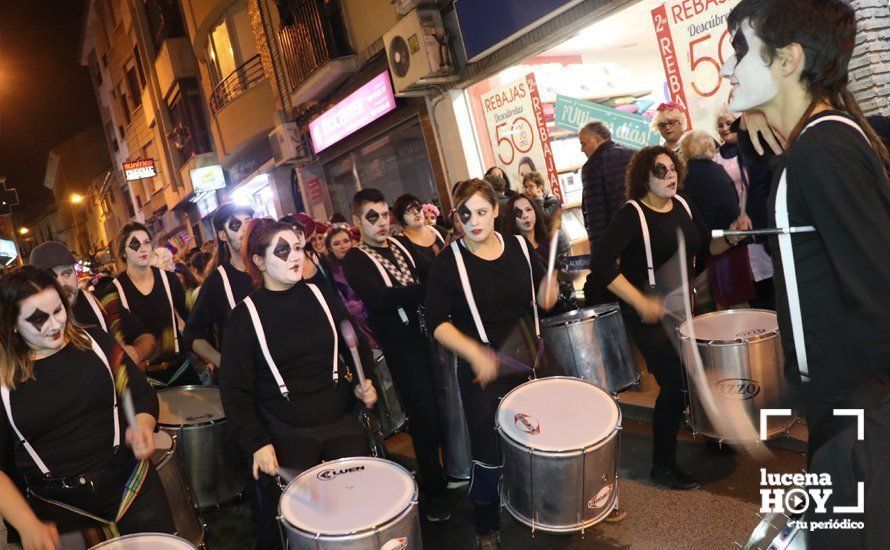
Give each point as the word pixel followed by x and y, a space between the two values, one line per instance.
pixel 591 344
pixel 570 478
pixel 188 522
pixel 212 460
pixel 390 412
pixel 456 434
pixel 757 358
pixel 776 531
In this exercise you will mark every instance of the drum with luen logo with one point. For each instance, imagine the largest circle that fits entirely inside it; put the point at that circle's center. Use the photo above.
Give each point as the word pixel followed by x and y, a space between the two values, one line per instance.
pixel 560 441
pixel 145 541
pixel 741 354
pixel 360 503
pixel 167 462
pixel 209 449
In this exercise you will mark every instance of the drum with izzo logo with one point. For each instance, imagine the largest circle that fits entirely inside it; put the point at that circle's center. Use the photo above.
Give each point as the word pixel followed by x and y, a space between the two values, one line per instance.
pixel 741 354
pixel 360 503
pixel 560 441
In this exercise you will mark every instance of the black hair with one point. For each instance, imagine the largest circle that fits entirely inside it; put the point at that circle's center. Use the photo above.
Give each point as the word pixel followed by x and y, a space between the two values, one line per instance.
pixel 220 219
pixel 365 196
pixel 402 203
pixel 124 234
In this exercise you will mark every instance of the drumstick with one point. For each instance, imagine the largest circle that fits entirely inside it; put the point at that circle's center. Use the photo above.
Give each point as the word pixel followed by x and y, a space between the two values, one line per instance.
pixel 717 233
pixel 287 474
pixel 352 342
pixel 551 258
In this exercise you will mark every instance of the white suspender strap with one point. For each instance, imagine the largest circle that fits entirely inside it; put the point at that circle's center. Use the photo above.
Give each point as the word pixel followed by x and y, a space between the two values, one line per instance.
pixel 836 118
pixel 227 286
pixel 121 294
pixel 647 244
pixel 327 312
pixel 173 317
pixel 531 276
pixel 4 394
pixel 97 309
pixel 386 280
pixel 685 204
pixel 404 250
pixel 789 270
pixel 436 231
pixel 468 291
pixel 264 346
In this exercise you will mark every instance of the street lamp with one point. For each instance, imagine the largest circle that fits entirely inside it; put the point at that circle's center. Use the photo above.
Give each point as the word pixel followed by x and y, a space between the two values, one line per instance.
pixel 24 230
pixel 76 198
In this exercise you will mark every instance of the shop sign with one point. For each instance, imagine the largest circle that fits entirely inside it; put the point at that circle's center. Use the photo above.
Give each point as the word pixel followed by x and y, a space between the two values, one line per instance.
pixel 514 115
pixel 138 169
pixel 360 108
pixel 207 178
pixel 627 129
pixel 694 43
pixel 313 189
pixel 486 25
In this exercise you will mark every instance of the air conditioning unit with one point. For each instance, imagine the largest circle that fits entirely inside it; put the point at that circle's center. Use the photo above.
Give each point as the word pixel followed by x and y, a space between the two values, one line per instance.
pixel 417 49
pixel 289 145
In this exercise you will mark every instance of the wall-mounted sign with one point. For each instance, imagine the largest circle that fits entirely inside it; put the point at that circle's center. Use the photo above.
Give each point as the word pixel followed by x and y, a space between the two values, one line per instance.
pixel 206 203
pixel 630 130
pixel 8 251
pixel 360 108
pixel 138 169
pixel 207 178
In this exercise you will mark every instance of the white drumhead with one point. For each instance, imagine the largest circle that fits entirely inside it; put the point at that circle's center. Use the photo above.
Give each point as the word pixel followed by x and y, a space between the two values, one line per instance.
pixel 163 445
pixel 188 405
pixel 732 324
pixel 558 414
pixel 145 541
pixel 347 495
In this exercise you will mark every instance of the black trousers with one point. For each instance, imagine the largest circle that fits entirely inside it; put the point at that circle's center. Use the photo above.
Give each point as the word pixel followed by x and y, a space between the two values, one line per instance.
pixel 300 449
pixel 664 363
pixel 480 408
pixel 411 363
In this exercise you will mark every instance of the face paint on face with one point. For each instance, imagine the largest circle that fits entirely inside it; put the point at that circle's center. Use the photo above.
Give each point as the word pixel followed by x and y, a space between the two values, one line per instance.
pixel 282 249
pixel 479 215
pixel 464 214
pixel 375 223
pixel 413 216
pixel 38 319
pixel 663 178
pixel 525 216
pixel 234 231
pixel 284 259
pixel 139 249
pixel 41 321
pixel 134 244
pixel 235 225
pixel 752 81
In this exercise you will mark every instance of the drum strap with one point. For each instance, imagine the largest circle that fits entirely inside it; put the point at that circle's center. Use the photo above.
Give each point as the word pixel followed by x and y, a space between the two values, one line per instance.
pixel 647 241
pixel 786 250
pixel 468 290
pixel 7 404
pixel 438 235
pixel 385 276
pixel 227 286
pixel 97 309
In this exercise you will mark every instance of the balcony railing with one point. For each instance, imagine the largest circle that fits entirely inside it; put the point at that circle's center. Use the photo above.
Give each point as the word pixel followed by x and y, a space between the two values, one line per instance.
pixel 312 32
pixel 234 85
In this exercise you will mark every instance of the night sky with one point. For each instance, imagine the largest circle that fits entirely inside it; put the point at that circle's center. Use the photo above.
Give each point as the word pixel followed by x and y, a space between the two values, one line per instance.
pixel 45 94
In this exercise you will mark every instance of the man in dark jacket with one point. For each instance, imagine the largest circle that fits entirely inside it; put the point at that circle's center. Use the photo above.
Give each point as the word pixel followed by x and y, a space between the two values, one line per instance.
pixel 602 176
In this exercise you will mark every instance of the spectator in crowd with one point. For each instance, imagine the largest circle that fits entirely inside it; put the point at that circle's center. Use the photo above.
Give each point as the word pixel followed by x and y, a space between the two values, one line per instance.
pixel 339 241
pixel 535 187
pixel 727 154
pixel 670 122
pixel 707 184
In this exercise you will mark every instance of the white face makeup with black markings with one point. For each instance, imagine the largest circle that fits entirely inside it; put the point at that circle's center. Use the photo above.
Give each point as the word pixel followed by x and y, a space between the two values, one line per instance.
pixel 413 216
pixel 477 217
pixel 374 223
pixel 42 319
pixel 66 276
pixel 283 260
pixel 663 177
pixel 430 217
pixel 138 249
pixel 753 85
pixel 525 217
pixel 234 230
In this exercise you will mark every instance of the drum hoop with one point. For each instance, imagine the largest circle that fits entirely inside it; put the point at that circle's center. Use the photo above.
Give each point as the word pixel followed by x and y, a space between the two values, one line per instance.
pixel 412 503
pixel 729 341
pixel 164 425
pixel 562 453
pixel 169 453
pixel 603 440
pixel 182 426
pixel 551 322
pixel 108 542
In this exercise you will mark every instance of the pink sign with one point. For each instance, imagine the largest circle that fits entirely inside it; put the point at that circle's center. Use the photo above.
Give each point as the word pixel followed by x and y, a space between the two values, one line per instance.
pixel 360 108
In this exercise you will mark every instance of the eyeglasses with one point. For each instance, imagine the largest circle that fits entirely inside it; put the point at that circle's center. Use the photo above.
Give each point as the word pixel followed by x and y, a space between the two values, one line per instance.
pixel 667 124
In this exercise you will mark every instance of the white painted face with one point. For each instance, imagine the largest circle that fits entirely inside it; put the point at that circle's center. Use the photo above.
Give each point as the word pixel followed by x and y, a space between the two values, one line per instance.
pixel 234 231
pixel 413 216
pixel 663 177
pixel 752 82
pixel 66 275
pixel 283 260
pixel 138 249
pixel 373 222
pixel 477 217
pixel 41 321
pixel 524 214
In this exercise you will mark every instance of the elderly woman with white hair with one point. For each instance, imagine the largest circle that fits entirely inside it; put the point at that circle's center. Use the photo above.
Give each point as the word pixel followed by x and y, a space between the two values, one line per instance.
pixel 727 154
pixel 670 122
pixel 707 184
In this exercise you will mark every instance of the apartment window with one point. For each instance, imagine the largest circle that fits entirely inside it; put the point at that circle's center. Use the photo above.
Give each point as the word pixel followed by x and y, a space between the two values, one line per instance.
pixel 190 135
pixel 133 84
pixel 155 184
pixel 122 100
pixel 137 61
pixel 112 137
pixel 164 20
pixel 231 43
pixel 125 190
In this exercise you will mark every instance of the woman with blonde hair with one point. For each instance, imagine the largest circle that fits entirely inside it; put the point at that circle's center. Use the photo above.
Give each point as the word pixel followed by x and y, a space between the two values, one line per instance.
pixel 670 122
pixel 707 185
pixel 727 154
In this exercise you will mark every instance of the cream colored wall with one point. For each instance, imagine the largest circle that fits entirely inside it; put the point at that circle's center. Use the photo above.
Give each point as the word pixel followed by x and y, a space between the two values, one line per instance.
pixel 244 118
pixel 367 20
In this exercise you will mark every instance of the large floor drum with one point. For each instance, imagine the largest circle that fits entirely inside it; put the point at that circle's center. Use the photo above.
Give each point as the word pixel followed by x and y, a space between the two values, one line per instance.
pixel 145 541
pixel 591 344
pixel 776 532
pixel 389 407
pixel 741 354
pixel 351 504
pixel 167 462
pixel 209 449
pixel 456 454
pixel 560 440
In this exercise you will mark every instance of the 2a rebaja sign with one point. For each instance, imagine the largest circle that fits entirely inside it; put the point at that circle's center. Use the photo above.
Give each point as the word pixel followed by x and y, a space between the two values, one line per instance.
pixel 694 42
pixel 627 129
pixel 514 115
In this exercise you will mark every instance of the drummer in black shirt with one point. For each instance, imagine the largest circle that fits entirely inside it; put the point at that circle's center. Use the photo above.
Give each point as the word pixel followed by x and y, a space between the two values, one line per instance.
pixel 85 307
pixel 282 384
pixel 63 430
pixel 157 299
pixel 224 288
pixel 832 282
pixel 491 339
pixel 386 274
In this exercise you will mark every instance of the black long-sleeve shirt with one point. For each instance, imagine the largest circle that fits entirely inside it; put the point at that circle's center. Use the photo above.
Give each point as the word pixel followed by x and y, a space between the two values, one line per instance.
pixel 65 412
pixel 502 290
pixel 153 310
pixel 837 184
pixel 302 345
pixel 208 317
pixel 84 314
pixel 711 190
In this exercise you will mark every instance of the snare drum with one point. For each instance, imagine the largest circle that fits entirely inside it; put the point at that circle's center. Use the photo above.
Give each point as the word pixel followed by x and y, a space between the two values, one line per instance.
pixel 351 503
pixel 776 532
pixel 209 450
pixel 389 406
pixel 591 344
pixel 145 541
pixel 166 461
pixel 560 444
pixel 741 354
